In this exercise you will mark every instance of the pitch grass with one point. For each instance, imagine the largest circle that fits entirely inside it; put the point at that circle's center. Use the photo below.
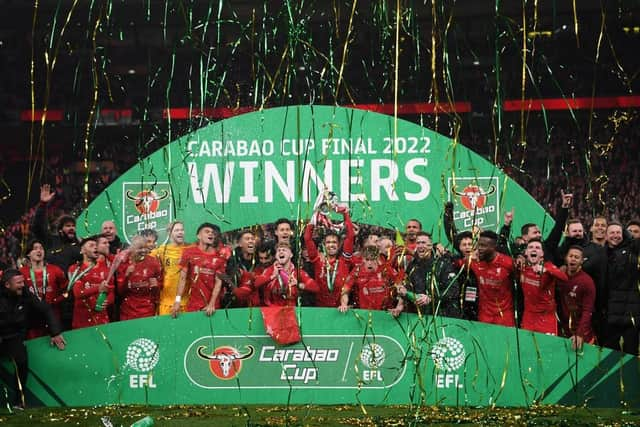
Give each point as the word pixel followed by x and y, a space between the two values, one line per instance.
pixel 254 416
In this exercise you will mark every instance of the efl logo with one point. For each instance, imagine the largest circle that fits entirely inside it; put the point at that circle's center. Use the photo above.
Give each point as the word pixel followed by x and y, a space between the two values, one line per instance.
pixel 448 355
pixel 225 362
pixel 372 356
pixel 142 356
pixel 146 208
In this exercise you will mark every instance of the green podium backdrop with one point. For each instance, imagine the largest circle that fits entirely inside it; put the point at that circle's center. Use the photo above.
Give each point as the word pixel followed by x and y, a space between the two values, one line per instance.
pixel 357 357
pixel 261 166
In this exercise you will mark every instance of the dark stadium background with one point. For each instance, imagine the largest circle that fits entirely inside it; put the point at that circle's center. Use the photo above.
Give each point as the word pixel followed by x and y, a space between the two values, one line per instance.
pixel 141 57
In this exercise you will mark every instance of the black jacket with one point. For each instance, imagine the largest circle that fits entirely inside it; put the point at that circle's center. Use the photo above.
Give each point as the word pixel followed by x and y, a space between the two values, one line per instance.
pixel 468 286
pixel 16 311
pixel 236 264
pixel 60 250
pixel 434 276
pixel 116 245
pixel 549 245
pixel 623 274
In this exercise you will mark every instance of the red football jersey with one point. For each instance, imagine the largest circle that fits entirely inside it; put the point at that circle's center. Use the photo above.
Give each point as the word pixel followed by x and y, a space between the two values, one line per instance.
pixel 107 260
pixel 577 297
pixel 246 292
pixel 539 298
pixel 335 272
pixel 50 292
pixel 495 302
pixel 139 295
pixel 56 283
pixel 86 281
pixel 372 290
pixel 284 291
pixel 330 274
pixel 201 268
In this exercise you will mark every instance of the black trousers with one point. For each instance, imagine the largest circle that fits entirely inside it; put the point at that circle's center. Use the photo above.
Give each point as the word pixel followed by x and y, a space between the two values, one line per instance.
pixel 14 349
pixel 611 338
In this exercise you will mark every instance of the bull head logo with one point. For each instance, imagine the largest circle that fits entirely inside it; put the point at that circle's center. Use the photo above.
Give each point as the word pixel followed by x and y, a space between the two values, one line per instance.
pixel 147 201
pixel 225 362
pixel 473 196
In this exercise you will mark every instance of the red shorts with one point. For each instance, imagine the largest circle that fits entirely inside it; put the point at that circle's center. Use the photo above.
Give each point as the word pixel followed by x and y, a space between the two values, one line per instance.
pixel 545 323
pixel 506 318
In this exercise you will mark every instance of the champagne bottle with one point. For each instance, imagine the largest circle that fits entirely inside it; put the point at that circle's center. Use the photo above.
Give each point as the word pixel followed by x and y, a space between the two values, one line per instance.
pixel 102 296
pixel 411 296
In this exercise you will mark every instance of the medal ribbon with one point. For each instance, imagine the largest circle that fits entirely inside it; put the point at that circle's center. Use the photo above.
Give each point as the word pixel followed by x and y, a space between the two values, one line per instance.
pixel 283 280
pixel 32 273
pixel 77 275
pixel 331 275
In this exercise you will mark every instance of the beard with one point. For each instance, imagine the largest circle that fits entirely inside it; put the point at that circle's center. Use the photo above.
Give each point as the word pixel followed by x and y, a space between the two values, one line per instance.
pixel 574 240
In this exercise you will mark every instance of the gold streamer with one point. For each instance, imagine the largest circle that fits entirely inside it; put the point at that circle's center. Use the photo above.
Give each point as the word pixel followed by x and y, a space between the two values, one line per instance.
pixel 32 87
pixel 595 65
pixel 457 120
pixel 395 76
pixel 50 59
pixel 434 95
pixel 503 382
pixel 345 49
pixel 20 390
pixel 395 87
pixel 523 82
pixel 601 196
pixel 575 23
pixel 92 113
pixel 274 79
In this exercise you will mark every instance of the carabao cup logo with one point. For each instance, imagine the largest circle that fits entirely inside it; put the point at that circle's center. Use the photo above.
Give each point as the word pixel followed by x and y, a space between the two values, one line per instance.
pixel 473 196
pixel 146 207
pixel 142 355
pixel 147 201
pixel 475 201
pixel 225 362
pixel 448 354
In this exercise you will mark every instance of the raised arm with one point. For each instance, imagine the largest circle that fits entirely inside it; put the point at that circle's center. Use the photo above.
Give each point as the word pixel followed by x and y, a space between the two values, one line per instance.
pixel 267 276
pixel 555 271
pixel 312 249
pixel 40 226
pixel 449 223
pixel 505 233
pixel 553 240
pixel 79 290
pixel 350 236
